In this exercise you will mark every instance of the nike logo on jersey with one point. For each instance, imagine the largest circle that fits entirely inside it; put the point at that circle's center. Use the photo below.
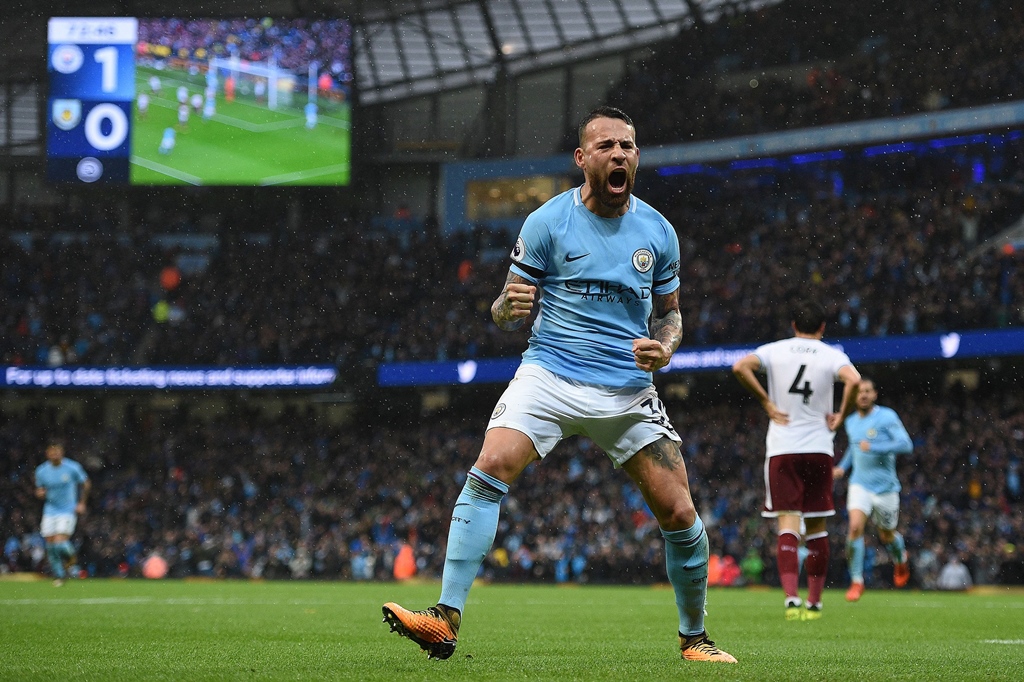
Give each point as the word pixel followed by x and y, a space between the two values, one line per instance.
pixel 569 259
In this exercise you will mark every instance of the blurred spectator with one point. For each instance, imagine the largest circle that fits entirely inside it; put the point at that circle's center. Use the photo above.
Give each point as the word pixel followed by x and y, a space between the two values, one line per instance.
pixel 954 575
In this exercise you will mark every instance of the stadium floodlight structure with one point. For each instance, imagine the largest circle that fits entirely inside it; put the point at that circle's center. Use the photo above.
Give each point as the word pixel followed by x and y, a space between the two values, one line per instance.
pixel 279 81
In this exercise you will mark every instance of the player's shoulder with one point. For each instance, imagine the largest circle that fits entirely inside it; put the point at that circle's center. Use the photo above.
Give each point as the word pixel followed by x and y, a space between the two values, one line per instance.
pixel 772 346
pixel 648 214
pixel 558 204
pixel 553 211
pixel 643 209
pixel 72 464
pixel 886 412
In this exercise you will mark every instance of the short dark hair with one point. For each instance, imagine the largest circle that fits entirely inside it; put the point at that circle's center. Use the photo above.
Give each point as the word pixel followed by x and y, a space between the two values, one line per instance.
pixel 55 441
pixel 808 316
pixel 603 112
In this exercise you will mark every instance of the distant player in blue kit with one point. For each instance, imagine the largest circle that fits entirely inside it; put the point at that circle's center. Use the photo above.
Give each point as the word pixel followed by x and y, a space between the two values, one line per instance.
pixel 602 267
pixel 64 486
pixel 209 106
pixel 167 141
pixel 876 436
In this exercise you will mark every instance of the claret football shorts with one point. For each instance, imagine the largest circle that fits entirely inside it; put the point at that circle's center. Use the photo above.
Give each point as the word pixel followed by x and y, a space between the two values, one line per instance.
pixel 798 484
pixel 548 407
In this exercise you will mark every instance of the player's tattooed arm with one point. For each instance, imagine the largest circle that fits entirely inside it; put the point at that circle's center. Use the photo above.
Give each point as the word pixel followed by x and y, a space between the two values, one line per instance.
pixel 515 302
pixel 667 322
pixel 654 353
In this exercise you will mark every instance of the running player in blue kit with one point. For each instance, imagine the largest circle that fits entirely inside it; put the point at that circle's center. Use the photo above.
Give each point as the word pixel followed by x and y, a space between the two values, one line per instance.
pixel 602 267
pixel 876 435
pixel 63 486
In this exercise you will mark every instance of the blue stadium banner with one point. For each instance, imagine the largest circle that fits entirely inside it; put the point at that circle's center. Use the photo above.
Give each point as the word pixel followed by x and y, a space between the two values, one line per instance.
pixel 254 377
pixel 911 347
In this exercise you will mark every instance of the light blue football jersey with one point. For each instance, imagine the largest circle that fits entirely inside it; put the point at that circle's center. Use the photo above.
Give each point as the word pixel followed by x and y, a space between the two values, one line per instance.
pixel 875 469
pixel 61 484
pixel 597 277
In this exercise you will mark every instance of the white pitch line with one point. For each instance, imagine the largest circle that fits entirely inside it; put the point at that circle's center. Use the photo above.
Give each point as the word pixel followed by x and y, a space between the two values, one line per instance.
pixel 1002 641
pixel 160 168
pixel 248 126
pixel 303 175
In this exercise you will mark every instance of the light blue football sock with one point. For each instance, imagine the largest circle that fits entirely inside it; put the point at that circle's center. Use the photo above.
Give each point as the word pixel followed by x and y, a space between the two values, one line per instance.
pixel 474 524
pixel 56 560
pixel 855 559
pixel 896 548
pixel 801 556
pixel 686 561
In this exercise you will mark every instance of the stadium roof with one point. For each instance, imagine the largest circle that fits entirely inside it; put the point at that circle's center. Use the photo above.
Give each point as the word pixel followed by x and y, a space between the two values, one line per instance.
pixel 406 48
pixel 416 47
pixel 402 48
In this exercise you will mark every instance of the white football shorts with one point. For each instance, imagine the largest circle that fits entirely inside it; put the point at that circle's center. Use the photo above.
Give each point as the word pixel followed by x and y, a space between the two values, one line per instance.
pixel 883 508
pixel 548 407
pixel 57 524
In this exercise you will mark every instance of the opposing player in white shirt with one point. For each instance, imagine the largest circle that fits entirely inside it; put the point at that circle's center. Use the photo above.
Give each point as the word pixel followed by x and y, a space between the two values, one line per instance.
pixel 802 372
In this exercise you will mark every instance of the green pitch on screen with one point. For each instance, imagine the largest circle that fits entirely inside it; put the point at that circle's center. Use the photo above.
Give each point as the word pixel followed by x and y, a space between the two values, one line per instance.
pixel 245 143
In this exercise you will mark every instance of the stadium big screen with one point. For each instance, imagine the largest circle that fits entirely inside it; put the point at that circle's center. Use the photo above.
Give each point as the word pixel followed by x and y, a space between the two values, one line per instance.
pixel 199 101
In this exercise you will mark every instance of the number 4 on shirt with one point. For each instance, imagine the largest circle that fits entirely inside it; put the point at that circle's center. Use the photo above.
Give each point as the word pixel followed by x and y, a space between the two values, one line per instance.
pixel 805 390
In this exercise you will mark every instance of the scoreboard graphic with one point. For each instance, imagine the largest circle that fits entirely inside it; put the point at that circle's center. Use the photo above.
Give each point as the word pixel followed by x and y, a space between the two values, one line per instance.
pixel 236 101
pixel 92 87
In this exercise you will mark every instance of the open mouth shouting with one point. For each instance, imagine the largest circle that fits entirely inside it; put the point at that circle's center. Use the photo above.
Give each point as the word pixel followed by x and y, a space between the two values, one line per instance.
pixel 618 180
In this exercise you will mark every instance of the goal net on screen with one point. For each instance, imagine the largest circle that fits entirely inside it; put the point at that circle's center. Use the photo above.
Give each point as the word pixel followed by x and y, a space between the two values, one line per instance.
pixel 261 82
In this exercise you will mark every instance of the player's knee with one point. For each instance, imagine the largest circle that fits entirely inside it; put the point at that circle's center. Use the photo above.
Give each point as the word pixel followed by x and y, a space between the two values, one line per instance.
pixel 499 464
pixel 505 454
pixel 679 516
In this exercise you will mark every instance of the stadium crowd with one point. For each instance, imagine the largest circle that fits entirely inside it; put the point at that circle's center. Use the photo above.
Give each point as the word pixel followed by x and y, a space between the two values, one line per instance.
pixel 798 63
pixel 245 494
pixel 294 43
pixel 888 242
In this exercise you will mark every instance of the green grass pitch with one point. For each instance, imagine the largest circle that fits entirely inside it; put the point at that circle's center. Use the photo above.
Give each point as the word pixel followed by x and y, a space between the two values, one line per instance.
pixel 169 630
pixel 245 143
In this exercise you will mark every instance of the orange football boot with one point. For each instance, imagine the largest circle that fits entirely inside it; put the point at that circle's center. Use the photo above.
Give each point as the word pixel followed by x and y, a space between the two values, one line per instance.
pixel 700 648
pixel 435 629
pixel 901 572
pixel 855 591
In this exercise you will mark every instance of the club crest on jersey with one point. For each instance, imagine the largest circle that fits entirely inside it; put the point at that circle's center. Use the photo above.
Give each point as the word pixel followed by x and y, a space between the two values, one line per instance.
pixel 643 260
pixel 518 250
pixel 499 410
pixel 872 433
pixel 66 113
